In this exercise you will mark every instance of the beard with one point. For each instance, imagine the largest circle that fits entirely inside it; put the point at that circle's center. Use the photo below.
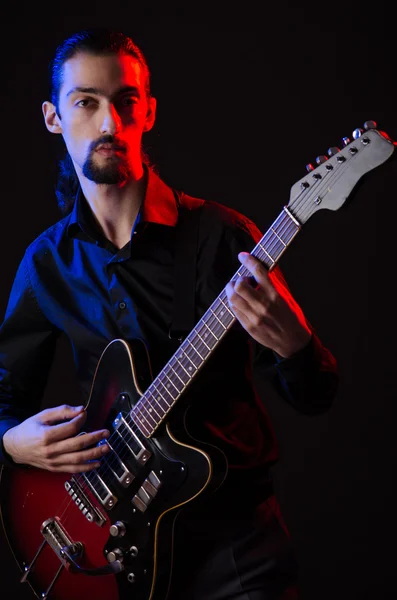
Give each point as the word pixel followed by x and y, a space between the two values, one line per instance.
pixel 116 170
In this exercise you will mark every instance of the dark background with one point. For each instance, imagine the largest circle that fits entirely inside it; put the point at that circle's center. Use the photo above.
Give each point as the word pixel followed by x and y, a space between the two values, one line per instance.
pixel 246 98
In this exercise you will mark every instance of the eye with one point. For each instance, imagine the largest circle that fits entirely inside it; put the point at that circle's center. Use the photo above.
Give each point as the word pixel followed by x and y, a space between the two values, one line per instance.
pixel 84 102
pixel 129 100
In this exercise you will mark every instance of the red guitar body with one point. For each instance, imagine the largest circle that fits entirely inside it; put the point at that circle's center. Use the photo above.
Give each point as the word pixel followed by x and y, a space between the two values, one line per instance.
pixel 104 536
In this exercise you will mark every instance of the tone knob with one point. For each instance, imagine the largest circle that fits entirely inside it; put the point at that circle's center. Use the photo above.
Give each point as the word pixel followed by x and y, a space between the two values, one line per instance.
pixel 115 554
pixel 118 529
pixel 370 125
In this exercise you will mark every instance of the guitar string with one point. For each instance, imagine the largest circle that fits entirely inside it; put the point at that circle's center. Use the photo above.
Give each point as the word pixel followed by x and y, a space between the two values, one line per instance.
pixel 313 191
pixel 276 244
pixel 285 226
pixel 134 427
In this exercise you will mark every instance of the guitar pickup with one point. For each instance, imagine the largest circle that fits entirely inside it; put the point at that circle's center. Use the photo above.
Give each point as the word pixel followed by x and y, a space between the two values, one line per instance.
pixel 131 440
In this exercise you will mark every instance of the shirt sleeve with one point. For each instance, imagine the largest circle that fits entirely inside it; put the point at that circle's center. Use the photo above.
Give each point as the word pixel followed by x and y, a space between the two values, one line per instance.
pixel 309 379
pixel 27 347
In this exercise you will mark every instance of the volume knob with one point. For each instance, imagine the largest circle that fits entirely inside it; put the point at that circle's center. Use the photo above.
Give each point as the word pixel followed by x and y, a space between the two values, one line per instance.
pixel 117 529
pixel 115 554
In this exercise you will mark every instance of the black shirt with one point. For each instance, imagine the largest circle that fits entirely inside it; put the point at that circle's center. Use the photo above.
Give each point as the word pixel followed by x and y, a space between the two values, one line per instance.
pixel 72 280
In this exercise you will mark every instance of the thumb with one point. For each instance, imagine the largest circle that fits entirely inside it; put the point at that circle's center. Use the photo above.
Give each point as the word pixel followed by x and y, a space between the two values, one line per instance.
pixel 59 414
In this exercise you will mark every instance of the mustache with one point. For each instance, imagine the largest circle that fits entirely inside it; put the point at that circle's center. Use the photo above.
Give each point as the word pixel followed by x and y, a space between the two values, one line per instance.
pixel 107 139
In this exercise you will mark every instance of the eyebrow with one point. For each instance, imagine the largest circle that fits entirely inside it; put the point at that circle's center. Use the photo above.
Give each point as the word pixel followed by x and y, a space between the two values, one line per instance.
pixel 99 92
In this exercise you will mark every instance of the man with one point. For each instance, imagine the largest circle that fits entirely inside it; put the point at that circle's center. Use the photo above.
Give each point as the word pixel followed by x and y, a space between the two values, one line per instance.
pixel 106 270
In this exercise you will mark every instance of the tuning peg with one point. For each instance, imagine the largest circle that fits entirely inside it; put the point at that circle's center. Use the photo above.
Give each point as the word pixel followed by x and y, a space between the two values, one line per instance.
pixel 346 141
pixel 321 159
pixel 333 150
pixel 357 133
pixel 309 167
pixel 370 125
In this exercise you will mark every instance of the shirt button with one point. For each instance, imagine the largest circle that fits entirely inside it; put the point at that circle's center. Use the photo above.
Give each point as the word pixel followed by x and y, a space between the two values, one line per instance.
pixel 122 305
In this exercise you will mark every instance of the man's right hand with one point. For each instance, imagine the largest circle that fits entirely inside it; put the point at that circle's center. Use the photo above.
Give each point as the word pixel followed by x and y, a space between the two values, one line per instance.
pixel 49 440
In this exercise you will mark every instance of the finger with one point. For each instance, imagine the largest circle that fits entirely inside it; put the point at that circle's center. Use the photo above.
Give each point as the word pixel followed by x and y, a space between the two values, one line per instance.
pixel 234 299
pixel 82 457
pixel 57 414
pixel 265 330
pixel 247 300
pixel 251 314
pixel 72 468
pixel 65 430
pixel 257 269
pixel 79 442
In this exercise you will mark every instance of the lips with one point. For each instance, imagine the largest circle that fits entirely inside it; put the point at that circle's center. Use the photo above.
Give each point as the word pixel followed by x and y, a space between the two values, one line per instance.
pixel 109 148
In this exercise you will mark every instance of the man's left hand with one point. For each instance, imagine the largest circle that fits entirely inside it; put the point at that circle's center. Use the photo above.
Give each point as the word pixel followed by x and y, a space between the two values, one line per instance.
pixel 267 311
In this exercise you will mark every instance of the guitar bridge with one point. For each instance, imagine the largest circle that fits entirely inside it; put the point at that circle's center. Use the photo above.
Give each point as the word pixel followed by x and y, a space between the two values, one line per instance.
pixel 81 500
pixel 57 538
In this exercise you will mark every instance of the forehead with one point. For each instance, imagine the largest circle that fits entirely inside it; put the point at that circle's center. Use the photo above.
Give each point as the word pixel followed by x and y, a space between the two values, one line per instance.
pixel 107 73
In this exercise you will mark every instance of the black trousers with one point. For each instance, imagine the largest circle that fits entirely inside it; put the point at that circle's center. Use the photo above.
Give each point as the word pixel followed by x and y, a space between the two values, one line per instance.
pixel 231 552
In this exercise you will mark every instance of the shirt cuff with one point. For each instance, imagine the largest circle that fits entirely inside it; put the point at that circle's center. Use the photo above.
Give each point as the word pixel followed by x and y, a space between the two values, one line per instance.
pixel 305 359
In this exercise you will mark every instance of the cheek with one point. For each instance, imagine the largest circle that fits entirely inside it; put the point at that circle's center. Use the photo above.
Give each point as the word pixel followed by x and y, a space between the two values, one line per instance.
pixel 76 146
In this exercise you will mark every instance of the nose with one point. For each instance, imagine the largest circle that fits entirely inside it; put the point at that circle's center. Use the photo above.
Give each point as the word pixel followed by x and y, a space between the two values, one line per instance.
pixel 110 120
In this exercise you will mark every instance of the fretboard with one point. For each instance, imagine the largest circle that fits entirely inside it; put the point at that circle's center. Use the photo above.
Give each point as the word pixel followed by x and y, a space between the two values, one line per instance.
pixel 162 394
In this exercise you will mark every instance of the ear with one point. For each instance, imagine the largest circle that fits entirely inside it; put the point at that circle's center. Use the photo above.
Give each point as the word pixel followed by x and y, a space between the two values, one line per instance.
pixel 151 114
pixel 51 119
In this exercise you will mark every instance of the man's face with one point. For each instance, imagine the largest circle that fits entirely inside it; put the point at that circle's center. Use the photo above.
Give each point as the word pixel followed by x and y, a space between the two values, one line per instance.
pixel 104 110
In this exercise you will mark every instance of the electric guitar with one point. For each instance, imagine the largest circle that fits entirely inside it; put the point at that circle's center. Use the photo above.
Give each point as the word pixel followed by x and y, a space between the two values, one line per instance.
pixel 108 533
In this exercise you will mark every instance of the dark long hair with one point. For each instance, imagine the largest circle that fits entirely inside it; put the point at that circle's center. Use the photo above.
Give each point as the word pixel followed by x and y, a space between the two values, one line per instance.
pixel 98 41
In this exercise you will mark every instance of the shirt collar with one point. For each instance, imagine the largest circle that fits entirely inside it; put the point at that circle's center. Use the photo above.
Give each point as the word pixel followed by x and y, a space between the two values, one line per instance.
pixel 159 206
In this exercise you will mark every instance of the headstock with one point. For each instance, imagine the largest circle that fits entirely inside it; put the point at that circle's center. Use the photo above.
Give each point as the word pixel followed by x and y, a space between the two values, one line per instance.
pixel 330 183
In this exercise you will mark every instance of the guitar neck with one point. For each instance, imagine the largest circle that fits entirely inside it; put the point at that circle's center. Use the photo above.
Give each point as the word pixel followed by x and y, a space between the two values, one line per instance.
pixel 154 405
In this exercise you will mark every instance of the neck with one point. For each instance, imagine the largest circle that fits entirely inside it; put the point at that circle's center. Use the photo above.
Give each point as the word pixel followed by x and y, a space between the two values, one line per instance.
pixel 115 207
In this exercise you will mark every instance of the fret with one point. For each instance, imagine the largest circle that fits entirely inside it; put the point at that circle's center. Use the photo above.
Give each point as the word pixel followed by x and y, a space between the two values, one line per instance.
pixel 180 378
pixel 213 324
pixel 202 349
pixel 159 398
pixel 278 237
pixel 172 383
pixel 267 254
pixel 227 317
pixel 210 332
pixel 195 349
pixel 191 365
pixel 145 413
pixel 152 409
pixel 203 341
pixel 165 388
pixel 181 365
pixel 227 307
pixel 142 416
pixel 192 355
pixel 139 418
pixel 217 318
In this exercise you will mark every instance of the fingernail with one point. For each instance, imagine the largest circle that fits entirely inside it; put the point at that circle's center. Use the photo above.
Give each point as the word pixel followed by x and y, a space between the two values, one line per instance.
pixel 78 408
